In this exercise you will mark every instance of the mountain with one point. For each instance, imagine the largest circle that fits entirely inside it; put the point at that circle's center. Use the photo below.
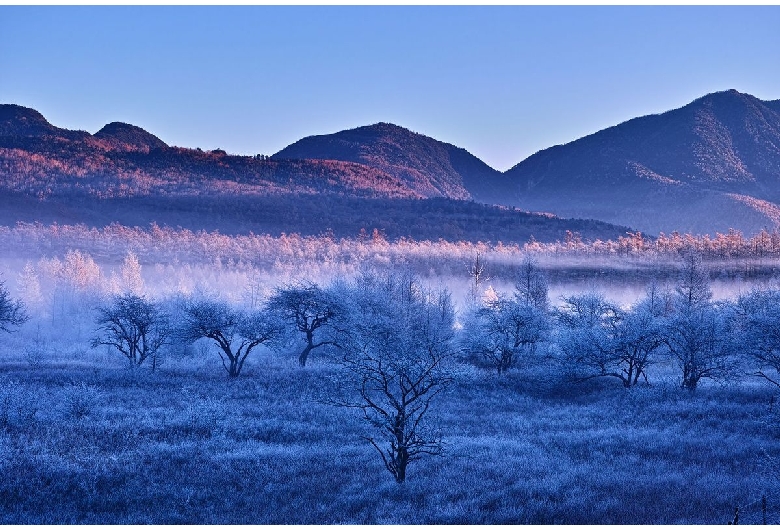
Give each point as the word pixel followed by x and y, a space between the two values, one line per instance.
pixel 18 121
pixel 711 165
pixel 127 175
pixel 131 136
pixel 123 160
pixel 429 167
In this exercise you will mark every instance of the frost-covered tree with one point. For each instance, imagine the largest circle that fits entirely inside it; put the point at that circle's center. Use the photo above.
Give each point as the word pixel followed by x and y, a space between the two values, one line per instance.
pixel 12 311
pixel 397 344
pixel 531 284
pixel 29 286
pixel 78 285
pixel 599 339
pixel 135 327
pixel 693 286
pixel 311 310
pixel 698 333
pixel 132 281
pixel 588 325
pixel 235 332
pixel 701 341
pixel 758 313
pixel 638 339
pixel 477 278
pixel 500 330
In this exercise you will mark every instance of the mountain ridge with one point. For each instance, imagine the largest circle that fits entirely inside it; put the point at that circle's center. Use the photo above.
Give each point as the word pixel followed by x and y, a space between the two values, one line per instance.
pixel 708 166
pixel 701 155
pixel 125 174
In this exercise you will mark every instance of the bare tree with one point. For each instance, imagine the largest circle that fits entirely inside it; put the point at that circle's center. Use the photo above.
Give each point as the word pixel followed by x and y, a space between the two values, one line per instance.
pixel 588 325
pixel 698 332
pixel 12 311
pixel 135 327
pixel 310 309
pixel 693 288
pixel 531 285
pixel 235 332
pixel 500 330
pixel 478 276
pixel 396 347
pixel 758 313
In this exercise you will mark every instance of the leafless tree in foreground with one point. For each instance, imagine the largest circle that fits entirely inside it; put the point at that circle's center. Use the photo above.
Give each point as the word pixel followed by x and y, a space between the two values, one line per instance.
pixel 397 343
pixel 135 327
pixel 310 309
pixel 235 332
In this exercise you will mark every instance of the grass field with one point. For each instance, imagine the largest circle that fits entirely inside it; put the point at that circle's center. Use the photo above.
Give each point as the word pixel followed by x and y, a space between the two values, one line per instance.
pixel 86 440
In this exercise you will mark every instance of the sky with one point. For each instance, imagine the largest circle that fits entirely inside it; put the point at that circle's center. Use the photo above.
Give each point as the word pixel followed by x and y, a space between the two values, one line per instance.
pixel 502 82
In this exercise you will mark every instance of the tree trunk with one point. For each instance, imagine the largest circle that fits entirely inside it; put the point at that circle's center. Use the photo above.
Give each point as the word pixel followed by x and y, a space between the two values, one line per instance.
pixel 402 461
pixel 690 383
pixel 304 355
pixel 234 369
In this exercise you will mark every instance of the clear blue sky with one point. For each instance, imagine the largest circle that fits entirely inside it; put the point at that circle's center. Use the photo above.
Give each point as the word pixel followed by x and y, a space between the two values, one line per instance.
pixel 502 82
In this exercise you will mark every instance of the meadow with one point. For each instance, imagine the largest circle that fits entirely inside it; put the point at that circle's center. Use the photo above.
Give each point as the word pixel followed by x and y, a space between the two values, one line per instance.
pixel 85 438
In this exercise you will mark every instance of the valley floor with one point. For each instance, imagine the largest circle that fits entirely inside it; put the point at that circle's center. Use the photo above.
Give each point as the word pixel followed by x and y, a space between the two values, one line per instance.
pixel 85 440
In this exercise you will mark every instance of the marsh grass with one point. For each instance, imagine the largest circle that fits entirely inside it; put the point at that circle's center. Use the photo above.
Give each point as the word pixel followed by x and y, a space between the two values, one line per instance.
pixel 186 445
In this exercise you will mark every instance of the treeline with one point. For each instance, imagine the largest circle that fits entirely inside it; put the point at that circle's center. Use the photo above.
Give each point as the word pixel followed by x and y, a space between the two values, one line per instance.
pixel 48 167
pixel 732 244
pixel 308 214
pixel 730 252
pixel 166 244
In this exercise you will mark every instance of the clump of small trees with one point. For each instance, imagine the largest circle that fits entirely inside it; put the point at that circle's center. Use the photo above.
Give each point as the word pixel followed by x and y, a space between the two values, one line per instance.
pixel 757 316
pixel 499 330
pixel 599 339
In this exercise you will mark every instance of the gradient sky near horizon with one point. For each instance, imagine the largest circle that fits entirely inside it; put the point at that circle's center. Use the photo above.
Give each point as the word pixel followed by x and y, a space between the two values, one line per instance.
pixel 503 82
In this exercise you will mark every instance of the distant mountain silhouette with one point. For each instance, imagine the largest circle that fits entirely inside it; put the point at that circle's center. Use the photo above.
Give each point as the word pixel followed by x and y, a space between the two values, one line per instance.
pixel 711 165
pixel 126 174
pixel 130 135
pixel 429 167
pixel 123 160
pixel 19 121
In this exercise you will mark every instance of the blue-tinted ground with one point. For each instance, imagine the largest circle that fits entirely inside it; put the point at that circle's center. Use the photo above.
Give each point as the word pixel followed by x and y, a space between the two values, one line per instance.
pixel 84 440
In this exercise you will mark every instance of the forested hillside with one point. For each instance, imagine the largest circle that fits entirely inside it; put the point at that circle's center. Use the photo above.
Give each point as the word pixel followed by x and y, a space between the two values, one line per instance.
pixel 127 175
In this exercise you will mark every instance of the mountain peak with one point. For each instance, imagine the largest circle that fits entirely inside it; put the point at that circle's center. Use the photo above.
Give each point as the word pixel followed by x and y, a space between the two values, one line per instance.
pixel 131 135
pixel 427 166
pixel 385 126
pixel 729 97
pixel 664 172
pixel 16 120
